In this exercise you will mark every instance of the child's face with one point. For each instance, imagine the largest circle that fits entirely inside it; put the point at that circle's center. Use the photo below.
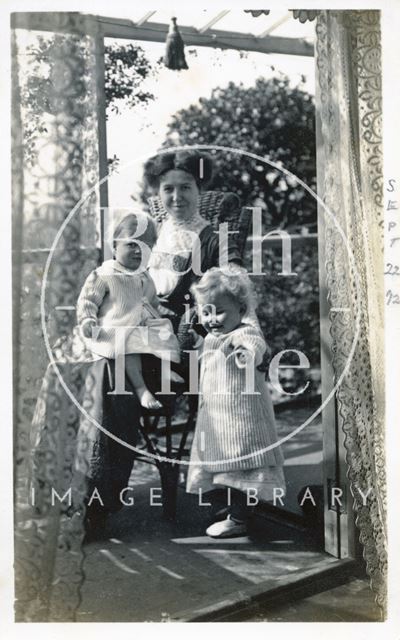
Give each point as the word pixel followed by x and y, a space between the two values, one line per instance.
pixel 129 254
pixel 220 314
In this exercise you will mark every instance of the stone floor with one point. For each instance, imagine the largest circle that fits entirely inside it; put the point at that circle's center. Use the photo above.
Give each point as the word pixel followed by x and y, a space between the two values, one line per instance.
pixel 148 569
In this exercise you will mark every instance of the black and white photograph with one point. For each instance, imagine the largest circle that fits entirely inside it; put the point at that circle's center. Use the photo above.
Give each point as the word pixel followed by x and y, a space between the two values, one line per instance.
pixel 205 257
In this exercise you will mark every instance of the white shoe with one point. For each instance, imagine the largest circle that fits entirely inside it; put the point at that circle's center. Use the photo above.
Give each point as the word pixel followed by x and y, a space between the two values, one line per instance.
pixel 228 528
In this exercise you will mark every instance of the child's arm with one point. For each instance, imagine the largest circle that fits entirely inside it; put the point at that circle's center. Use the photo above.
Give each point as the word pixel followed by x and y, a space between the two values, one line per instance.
pixel 249 344
pixel 150 293
pixel 251 319
pixel 198 341
pixel 151 300
pixel 196 330
pixel 89 302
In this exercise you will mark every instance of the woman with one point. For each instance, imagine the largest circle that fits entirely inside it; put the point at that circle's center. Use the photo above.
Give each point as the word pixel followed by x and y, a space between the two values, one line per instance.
pixel 187 244
pixel 103 464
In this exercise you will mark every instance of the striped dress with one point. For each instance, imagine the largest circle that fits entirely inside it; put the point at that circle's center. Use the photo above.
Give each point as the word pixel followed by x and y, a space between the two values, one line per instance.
pixel 235 441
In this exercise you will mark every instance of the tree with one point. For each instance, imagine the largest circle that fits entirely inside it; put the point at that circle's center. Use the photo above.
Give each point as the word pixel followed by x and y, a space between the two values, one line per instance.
pixel 126 66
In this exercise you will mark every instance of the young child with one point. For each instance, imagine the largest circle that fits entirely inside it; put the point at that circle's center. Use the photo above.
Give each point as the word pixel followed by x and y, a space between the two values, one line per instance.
pixel 235 438
pixel 121 293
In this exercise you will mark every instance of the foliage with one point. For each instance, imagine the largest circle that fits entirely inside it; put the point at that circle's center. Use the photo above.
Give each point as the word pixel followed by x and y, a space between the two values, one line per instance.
pixel 126 67
pixel 288 306
pixel 35 91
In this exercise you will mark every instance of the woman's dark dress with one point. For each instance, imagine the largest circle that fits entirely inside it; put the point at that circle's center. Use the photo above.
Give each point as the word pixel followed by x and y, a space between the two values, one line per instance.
pixel 209 244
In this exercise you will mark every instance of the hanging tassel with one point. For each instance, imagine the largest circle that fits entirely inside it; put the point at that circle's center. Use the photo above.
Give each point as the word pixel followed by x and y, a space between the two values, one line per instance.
pixel 174 57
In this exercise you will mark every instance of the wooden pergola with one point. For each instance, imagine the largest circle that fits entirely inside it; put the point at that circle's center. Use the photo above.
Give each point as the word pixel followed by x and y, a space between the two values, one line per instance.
pixel 202 36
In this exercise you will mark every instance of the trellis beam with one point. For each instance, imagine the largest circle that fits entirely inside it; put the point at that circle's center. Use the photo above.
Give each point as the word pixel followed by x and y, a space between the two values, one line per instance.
pixel 145 18
pixel 214 21
pixel 157 32
pixel 274 26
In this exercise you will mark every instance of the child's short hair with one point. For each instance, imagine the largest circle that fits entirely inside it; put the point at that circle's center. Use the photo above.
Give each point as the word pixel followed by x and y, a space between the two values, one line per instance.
pixel 231 280
pixel 127 227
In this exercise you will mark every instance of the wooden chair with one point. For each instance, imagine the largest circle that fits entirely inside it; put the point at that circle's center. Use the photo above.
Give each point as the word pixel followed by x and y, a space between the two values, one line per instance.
pixel 216 207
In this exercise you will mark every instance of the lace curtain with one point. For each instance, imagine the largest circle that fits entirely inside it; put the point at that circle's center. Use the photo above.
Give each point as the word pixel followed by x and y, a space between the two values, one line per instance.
pixel 348 57
pixel 54 163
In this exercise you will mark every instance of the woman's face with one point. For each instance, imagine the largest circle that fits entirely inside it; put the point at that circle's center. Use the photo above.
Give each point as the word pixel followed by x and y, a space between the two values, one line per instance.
pixel 179 194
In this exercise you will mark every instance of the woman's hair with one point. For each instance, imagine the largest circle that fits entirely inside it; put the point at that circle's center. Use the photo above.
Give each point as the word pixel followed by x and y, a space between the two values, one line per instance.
pixel 231 280
pixel 127 227
pixel 188 161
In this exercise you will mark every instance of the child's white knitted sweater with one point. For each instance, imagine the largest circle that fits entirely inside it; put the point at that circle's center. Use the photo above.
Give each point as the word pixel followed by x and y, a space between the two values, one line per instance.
pixel 114 296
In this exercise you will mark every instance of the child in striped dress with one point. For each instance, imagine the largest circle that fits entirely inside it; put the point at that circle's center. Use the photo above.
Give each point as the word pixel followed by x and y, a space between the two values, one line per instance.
pixel 121 293
pixel 235 442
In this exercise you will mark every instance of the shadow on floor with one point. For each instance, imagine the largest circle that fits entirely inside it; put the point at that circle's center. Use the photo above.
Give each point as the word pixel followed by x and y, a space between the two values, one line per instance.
pixel 149 569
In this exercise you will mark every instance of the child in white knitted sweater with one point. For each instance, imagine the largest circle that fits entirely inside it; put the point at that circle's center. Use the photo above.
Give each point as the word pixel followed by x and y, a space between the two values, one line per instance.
pixel 121 293
pixel 235 442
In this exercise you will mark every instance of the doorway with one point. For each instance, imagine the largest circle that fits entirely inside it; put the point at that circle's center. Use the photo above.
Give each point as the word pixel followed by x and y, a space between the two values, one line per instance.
pixel 246 568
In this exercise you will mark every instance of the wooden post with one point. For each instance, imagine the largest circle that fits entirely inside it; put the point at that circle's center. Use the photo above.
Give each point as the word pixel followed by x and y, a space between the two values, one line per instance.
pixel 339 522
pixel 17 221
pixel 102 139
pixel 329 422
